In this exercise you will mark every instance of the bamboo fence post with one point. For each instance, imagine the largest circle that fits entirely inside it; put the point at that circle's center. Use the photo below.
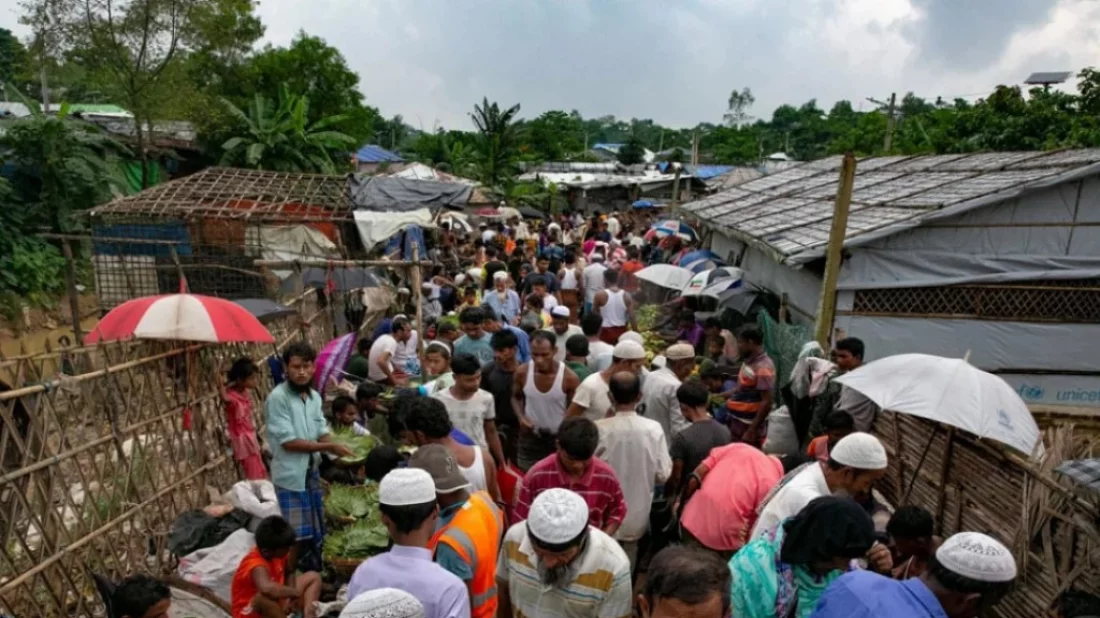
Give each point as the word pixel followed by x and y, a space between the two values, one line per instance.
pixel 70 284
pixel 416 276
pixel 941 496
pixel 834 251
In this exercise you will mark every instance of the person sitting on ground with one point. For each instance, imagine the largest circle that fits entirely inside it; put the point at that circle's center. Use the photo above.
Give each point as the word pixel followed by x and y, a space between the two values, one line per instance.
pixel 262 585
pixel 966 577
pixel 140 596
pixel 685 582
pixel 838 424
pixel 407 502
pixel 911 531
pixel 576 356
pixel 785 572
pixel 384 352
pixel 428 422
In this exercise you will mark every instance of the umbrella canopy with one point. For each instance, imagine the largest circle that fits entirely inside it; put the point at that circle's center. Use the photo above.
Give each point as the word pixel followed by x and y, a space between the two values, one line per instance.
pixel 643 204
pixel 332 359
pixel 665 275
pixel 180 317
pixel 531 213
pixel 668 227
pixel 949 391
pixel 265 310
pixel 713 282
pixel 344 279
pixel 701 254
pixel 699 266
pixel 457 221
pixel 1083 471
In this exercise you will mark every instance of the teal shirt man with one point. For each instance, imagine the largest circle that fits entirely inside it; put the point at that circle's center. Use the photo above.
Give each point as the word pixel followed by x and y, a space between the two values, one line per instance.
pixel 289 417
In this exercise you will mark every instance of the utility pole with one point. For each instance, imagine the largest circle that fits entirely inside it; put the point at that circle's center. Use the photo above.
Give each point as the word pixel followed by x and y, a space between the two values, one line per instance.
pixel 834 251
pixel 891 109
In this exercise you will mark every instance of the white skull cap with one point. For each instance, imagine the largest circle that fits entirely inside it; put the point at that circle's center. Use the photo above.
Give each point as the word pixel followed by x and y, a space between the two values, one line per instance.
pixel 557 516
pixel 384 603
pixel 861 451
pixel 406 486
pixel 976 556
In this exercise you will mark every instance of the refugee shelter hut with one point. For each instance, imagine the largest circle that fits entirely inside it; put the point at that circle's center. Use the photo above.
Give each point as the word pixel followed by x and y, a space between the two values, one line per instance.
pixel 996 254
pixel 220 219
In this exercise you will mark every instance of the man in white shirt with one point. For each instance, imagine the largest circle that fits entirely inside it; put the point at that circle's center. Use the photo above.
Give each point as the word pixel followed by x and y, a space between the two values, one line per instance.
pixel 383 351
pixel 613 226
pixel 593 280
pixel 593 397
pixel 599 352
pixel 635 447
pixel 563 330
pixel 659 393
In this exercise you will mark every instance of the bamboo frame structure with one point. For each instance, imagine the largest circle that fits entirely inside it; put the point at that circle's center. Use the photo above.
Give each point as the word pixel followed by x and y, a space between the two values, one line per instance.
pixel 97 466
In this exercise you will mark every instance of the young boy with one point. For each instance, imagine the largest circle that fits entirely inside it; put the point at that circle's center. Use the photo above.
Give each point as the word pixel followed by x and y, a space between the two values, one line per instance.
pixel 141 596
pixel 837 424
pixel 911 529
pixel 261 586
pixel 345 416
pixel 437 362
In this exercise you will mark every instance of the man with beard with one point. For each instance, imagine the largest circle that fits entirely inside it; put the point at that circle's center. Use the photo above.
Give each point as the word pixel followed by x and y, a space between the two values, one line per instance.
pixel 554 564
pixel 298 435
pixel 541 392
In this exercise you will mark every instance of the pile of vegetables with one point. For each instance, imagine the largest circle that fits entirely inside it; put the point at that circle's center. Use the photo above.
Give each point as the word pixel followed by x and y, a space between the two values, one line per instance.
pixel 646 317
pixel 362 539
pixel 347 501
pixel 360 446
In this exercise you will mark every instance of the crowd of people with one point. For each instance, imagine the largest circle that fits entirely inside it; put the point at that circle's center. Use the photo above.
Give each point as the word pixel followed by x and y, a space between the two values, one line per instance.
pixel 556 474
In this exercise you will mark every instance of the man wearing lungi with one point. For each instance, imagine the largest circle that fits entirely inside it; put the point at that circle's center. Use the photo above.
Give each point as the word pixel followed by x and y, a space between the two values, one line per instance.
pixel 297 434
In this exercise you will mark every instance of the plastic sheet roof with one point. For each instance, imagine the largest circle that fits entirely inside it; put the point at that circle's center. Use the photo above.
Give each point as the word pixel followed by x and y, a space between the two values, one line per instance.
pixel 790 212
pixel 376 154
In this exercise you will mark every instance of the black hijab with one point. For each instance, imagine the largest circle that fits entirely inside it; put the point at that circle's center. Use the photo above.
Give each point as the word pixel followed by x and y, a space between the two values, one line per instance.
pixel 828 527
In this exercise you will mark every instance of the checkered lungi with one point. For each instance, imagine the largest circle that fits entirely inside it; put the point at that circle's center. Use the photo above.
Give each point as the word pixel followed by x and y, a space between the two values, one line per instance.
pixel 304 510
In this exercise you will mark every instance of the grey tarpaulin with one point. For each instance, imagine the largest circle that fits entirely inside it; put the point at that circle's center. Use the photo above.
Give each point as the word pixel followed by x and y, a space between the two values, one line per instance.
pixel 404 194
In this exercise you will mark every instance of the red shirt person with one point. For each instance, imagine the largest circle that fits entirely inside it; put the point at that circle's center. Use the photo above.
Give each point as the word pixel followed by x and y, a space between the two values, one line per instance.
pixel 574 467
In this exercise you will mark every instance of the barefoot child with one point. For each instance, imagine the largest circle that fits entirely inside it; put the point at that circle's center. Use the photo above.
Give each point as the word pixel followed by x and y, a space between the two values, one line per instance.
pixel 242 379
pixel 261 586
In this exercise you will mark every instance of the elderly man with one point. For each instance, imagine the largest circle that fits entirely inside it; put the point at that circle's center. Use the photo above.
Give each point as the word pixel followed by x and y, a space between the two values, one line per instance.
pixel 298 434
pixel 407 501
pixel 635 448
pixel 554 564
pixel 969 574
pixel 659 394
pixel 593 398
pixel 503 301
pixel 686 582
pixel 563 330
pixel 383 603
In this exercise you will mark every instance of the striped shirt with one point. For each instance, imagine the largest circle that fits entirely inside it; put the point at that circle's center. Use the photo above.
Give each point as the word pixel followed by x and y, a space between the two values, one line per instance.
pixel 598 486
pixel 598 586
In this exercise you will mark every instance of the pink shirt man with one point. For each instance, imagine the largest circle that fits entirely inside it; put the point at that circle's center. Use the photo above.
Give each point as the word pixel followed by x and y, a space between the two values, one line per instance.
pixel 722 512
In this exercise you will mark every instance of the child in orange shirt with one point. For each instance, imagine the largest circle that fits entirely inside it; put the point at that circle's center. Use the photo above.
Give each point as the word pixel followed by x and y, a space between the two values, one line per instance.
pixel 261 586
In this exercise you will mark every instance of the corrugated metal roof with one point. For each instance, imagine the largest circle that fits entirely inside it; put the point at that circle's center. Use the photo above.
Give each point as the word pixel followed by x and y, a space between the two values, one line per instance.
pixel 790 212
pixel 377 154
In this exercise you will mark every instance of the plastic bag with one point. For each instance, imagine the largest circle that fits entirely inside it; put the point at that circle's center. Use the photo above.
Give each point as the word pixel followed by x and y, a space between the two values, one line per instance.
pixel 782 438
pixel 257 498
pixel 213 567
pixel 194 530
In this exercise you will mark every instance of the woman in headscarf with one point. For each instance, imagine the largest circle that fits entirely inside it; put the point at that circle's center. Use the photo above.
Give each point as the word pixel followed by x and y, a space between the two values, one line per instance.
pixel 783 573
pixel 384 603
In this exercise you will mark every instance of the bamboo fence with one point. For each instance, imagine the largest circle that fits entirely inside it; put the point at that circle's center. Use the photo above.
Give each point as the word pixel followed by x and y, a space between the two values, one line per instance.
pixel 972 485
pixel 96 466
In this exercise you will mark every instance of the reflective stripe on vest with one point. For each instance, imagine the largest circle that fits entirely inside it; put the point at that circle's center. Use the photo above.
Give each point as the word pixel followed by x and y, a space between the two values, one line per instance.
pixel 475 534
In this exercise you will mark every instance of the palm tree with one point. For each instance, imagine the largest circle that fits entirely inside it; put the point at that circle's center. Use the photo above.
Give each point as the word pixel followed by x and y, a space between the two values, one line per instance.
pixel 281 139
pixel 497 144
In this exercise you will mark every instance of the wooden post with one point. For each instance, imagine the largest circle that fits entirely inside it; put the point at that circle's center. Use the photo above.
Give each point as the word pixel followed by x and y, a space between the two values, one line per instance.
pixel 418 294
pixel 890 124
pixel 834 252
pixel 179 269
pixel 74 298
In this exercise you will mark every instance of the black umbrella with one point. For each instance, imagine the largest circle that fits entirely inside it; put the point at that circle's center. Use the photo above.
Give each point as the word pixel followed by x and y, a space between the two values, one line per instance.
pixel 350 278
pixel 265 310
pixel 531 213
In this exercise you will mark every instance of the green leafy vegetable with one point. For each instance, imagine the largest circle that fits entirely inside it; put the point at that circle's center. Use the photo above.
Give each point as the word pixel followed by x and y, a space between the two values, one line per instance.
pixel 345 501
pixel 360 446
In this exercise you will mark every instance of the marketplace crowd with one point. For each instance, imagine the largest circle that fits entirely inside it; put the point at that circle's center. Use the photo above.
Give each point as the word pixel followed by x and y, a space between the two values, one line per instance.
pixel 559 472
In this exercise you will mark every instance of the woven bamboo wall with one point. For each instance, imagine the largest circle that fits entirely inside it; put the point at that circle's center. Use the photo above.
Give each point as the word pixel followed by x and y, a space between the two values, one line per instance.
pixel 973 486
pixel 96 466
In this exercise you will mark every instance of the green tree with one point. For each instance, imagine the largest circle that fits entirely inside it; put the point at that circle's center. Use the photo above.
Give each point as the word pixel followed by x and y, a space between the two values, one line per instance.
pixel 738 106
pixel 15 62
pixel 632 152
pixel 497 144
pixel 553 136
pixel 281 138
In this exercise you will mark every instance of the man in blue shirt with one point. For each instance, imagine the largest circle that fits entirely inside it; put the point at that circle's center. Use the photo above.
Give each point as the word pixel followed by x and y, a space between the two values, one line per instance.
pixel 476 340
pixel 968 574
pixel 492 324
pixel 502 301
pixel 297 434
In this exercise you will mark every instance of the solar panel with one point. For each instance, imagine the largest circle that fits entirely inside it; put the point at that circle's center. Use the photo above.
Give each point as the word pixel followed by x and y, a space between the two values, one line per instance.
pixel 1045 78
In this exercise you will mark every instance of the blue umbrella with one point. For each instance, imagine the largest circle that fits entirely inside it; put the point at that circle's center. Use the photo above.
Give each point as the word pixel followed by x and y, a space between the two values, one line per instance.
pixel 701 254
pixel 644 204
pixel 669 227
pixel 699 266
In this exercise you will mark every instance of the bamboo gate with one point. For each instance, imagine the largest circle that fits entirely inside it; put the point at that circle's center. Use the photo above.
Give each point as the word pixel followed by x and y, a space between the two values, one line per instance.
pixel 96 466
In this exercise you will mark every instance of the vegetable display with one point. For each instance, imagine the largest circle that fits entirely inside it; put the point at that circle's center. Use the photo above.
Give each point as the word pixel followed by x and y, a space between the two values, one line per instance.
pixel 362 539
pixel 360 446
pixel 348 501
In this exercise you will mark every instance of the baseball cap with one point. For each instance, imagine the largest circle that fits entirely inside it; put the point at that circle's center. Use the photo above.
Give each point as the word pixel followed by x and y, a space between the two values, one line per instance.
pixel 437 461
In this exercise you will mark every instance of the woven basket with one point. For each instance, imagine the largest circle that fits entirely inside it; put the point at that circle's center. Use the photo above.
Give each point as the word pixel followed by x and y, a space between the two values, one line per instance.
pixel 345 567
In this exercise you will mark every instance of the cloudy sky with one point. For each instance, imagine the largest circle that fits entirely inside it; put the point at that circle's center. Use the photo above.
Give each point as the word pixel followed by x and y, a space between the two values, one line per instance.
pixel 676 60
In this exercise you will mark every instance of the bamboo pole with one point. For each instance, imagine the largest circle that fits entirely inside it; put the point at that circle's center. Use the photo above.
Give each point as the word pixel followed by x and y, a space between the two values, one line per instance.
pixel 319 263
pixel 834 252
pixel 415 275
pixel 70 284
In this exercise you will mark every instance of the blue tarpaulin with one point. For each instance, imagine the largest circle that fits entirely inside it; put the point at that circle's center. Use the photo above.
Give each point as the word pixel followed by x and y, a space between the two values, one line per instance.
pixel 405 240
pixel 175 231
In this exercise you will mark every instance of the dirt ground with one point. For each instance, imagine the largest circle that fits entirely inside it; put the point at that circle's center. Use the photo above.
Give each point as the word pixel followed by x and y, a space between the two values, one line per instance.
pixel 41 325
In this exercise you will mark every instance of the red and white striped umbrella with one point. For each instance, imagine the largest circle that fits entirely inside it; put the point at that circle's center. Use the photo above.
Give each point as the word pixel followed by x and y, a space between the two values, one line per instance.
pixel 180 317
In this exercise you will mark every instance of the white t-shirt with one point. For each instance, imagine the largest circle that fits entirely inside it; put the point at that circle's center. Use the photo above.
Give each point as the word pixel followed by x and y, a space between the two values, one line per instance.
pixel 598 353
pixel 487 236
pixel 635 447
pixel 405 352
pixel 792 498
pixel 593 280
pixel 469 416
pixel 573 329
pixel 594 395
pixel 613 227
pixel 381 345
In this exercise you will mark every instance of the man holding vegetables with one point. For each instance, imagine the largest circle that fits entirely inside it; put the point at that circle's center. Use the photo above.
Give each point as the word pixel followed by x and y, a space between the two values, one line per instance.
pixel 298 434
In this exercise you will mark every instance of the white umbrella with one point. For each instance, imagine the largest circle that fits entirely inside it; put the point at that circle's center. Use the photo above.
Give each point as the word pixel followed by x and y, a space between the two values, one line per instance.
pixel 713 282
pixel 665 275
pixel 949 391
